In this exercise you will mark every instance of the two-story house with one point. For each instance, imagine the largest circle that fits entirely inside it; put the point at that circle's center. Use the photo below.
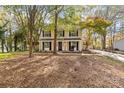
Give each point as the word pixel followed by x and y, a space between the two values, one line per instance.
pixel 67 41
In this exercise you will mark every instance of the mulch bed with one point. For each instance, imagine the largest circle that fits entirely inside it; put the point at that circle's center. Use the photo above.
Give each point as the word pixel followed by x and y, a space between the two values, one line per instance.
pixel 61 71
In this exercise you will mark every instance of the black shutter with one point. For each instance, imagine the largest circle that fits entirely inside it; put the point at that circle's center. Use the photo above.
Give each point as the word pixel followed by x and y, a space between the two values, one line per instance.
pixel 50 45
pixel 50 33
pixel 43 33
pixel 43 45
pixel 77 32
pixel 77 45
pixel 69 46
pixel 63 33
pixel 69 33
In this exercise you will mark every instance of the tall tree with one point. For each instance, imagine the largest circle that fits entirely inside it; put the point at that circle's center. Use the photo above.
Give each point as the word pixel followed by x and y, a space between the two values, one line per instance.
pixel 98 25
pixel 31 12
pixel 55 30
pixel 3 24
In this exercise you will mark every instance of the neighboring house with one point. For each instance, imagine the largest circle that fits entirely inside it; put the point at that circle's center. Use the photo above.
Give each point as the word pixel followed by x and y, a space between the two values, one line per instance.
pixel 119 44
pixel 67 41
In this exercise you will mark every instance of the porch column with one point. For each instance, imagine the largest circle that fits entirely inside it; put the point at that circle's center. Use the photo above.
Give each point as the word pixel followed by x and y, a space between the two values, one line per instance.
pixel 40 45
pixel 80 45
pixel 65 45
pixel 52 45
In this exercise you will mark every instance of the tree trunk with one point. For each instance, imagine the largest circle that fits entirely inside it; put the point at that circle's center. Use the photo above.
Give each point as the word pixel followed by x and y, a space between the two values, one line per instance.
pixel 95 46
pixel 88 39
pixel 2 44
pixel 10 45
pixel 112 40
pixel 32 11
pixel 104 42
pixel 86 48
pixel 10 31
pixel 25 45
pixel 15 44
pixel 113 37
pixel 6 48
pixel 30 43
pixel 55 30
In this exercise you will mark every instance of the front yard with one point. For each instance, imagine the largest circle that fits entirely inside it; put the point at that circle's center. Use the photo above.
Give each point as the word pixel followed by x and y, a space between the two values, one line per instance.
pixel 61 71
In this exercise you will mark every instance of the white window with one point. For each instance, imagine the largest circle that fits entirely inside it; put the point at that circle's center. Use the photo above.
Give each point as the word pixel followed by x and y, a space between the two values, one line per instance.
pixel 73 33
pixel 60 33
pixel 46 33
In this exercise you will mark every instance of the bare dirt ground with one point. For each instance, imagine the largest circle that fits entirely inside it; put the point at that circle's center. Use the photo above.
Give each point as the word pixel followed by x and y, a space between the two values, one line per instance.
pixel 61 71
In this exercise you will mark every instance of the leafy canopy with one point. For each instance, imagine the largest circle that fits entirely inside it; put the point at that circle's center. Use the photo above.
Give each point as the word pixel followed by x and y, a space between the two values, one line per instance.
pixel 97 24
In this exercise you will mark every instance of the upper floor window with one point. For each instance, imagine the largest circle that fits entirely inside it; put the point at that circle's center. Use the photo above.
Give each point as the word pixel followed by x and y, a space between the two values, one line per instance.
pixel 73 33
pixel 60 33
pixel 46 33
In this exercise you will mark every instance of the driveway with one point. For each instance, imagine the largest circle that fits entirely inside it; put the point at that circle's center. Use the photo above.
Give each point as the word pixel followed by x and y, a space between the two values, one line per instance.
pixel 115 56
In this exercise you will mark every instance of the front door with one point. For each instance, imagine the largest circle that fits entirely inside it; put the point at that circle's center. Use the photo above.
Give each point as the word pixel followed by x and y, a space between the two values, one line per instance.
pixel 59 46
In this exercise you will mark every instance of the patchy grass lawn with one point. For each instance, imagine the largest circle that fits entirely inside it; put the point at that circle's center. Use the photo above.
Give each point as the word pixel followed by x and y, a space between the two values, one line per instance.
pixel 11 55
pixel 61 71
pixel 113 61
pixel 5 55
